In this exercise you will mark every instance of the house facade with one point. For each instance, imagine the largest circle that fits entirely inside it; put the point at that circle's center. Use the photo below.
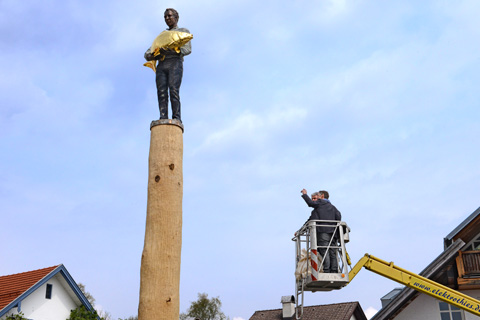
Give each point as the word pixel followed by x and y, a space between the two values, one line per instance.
pixel 43 294
pixel 457 267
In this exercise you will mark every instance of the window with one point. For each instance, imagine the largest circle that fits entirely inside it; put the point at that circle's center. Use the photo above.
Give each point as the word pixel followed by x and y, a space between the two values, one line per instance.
pixel 48 294
pixel 474 245
pixel 450 312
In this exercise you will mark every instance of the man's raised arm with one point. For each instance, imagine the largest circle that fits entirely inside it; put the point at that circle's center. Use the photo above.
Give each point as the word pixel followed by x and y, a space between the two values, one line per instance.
pixel 307 199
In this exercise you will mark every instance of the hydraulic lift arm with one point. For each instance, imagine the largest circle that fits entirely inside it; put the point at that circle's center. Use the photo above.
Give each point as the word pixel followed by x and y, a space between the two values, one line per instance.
pixel 417 282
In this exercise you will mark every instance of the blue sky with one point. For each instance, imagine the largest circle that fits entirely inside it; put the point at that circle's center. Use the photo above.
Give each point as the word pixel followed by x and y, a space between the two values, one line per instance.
pixel 376 102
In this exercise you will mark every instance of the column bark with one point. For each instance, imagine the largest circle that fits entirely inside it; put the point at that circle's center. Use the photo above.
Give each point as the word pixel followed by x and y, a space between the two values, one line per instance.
pixel 160 268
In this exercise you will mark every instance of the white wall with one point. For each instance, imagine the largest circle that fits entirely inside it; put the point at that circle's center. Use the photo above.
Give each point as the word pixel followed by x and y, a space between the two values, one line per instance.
pixel 426 308
pixel 423 307
pixel 474 294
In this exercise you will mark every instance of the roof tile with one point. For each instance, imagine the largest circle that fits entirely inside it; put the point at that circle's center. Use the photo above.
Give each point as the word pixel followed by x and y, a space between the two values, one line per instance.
pixel 337 311
pixel 12 286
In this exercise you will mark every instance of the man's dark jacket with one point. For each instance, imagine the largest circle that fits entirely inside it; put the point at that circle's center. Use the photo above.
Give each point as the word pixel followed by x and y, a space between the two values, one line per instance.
pixel 323 210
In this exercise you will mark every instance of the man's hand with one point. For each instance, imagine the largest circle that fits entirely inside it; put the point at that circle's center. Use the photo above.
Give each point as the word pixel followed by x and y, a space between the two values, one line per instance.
pixel 303 191
pixel 148 56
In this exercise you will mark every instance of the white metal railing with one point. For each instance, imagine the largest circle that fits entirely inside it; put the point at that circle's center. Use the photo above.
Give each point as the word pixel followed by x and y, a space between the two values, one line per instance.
pixel 309 260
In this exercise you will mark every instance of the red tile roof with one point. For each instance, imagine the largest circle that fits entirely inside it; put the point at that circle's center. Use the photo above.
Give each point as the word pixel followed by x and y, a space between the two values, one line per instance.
pixel 12 286
pixel 337 311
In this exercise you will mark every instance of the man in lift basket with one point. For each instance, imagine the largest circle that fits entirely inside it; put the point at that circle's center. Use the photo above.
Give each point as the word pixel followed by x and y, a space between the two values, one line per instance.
pixel 325 210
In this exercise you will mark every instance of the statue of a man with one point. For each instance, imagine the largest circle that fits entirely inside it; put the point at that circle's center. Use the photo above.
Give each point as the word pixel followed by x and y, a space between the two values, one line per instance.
pixel 170 70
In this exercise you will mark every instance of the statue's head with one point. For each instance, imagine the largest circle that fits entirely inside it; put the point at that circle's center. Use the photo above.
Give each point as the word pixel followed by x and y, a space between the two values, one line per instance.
pixel 171 17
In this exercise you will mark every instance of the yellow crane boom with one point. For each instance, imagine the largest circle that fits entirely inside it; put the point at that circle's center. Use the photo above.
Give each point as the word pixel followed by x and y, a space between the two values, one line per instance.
pixel 417 282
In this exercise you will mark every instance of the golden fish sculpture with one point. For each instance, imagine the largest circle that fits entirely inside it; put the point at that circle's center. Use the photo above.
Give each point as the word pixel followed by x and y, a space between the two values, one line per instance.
pixel 167 40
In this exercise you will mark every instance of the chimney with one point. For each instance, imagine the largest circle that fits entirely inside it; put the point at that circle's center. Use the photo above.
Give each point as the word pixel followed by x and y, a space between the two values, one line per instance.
pixel 288 306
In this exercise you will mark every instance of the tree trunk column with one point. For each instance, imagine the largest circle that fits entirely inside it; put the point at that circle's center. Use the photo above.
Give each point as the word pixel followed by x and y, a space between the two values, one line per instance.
pixel 160 269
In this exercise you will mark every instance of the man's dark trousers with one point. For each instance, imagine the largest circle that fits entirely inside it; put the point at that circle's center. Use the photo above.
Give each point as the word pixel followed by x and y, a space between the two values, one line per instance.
pixel 169 78
pixel 325 240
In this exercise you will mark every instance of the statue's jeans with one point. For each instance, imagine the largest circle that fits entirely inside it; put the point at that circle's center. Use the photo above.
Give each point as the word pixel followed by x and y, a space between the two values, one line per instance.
pixel 168 79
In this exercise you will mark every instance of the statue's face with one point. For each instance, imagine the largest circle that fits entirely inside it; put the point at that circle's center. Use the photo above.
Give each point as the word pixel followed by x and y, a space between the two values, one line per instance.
pixel 170 19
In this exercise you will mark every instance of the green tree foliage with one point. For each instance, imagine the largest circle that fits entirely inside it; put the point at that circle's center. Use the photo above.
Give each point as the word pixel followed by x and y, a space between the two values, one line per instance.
pixel 104 315
pixel 205 309
pixel 87 294
pixel 130 318
pixel 17 316
pixel 81 313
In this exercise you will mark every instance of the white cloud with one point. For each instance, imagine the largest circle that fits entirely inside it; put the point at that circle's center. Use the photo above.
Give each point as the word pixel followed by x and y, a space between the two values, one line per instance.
pixel 18 93
pixel 370 312
pixel 251 127
pixel 328 12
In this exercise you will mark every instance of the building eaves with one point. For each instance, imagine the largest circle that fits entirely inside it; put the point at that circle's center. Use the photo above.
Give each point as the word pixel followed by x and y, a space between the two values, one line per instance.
pixel 462 225
pixel 408 294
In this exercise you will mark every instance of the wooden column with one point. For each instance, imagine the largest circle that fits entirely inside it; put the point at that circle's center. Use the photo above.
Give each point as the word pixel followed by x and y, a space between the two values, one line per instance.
pixel 160 269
